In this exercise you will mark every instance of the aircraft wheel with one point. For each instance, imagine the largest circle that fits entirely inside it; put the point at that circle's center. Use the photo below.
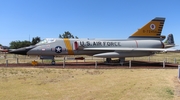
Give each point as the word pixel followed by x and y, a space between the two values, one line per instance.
pixel 108 60
pixel 121 61
pixel 53 63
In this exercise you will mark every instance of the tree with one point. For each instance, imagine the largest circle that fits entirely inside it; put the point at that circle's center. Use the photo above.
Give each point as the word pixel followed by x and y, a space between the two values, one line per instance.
pixel 0 44
pixel 25 43
pixel 67 34
pixel 19 44
pixel 35 40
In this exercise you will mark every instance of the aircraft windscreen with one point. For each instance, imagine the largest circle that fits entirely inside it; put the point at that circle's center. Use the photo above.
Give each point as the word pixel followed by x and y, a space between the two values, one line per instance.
pixel 47 40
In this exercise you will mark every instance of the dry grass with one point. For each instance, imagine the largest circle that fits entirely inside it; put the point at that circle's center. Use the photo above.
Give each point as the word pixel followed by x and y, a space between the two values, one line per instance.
pixel 168 57
pixel 88 84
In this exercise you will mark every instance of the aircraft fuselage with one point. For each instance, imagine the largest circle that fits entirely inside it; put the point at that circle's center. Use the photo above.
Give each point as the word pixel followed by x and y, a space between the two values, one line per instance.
pixel 76 47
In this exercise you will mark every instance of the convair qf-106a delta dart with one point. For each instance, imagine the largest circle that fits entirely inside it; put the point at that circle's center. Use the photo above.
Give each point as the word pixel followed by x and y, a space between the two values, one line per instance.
pixel 146 41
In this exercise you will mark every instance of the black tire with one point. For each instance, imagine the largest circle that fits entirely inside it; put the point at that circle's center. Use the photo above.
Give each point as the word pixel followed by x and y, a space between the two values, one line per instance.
pixel 53 63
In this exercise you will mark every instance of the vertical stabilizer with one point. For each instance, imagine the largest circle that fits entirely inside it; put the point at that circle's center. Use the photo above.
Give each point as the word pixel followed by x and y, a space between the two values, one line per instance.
pixel 169 42
pixel 152 29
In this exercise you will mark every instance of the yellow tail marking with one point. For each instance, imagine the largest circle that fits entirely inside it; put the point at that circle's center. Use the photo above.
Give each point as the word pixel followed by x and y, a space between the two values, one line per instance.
pixel 153 28
pixel 68 46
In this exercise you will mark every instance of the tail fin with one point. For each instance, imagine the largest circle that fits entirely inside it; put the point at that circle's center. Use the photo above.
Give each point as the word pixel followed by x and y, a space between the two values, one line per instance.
pixel 169 42
pixel 152 29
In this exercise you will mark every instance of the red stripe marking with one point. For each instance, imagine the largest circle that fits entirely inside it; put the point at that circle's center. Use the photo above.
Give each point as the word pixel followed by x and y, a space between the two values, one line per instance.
pixel 162 44
pixel 136 43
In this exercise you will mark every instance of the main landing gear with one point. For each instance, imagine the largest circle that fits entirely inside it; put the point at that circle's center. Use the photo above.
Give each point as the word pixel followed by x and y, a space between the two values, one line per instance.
pixel 108 60
pixel 120 61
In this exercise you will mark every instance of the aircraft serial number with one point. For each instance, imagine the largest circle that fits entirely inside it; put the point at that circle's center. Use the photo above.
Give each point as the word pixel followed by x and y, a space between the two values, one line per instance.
pixel 149 31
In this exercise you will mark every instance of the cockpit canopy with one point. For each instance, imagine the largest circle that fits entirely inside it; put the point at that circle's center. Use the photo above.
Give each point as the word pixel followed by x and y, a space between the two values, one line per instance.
pixel 47 40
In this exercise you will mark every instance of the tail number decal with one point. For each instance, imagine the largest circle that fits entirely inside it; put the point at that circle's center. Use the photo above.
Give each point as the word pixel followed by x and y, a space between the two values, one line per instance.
pixel 150 31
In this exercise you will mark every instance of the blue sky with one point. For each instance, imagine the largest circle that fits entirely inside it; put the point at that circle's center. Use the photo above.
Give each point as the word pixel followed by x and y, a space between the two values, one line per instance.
pixel 20 19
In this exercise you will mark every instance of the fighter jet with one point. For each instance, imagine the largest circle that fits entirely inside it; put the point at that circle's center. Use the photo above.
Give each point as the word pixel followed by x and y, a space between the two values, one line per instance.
pixel 144 42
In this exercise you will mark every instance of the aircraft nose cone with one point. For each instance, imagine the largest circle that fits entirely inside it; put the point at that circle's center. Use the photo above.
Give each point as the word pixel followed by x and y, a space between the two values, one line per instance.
pixel 21 51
